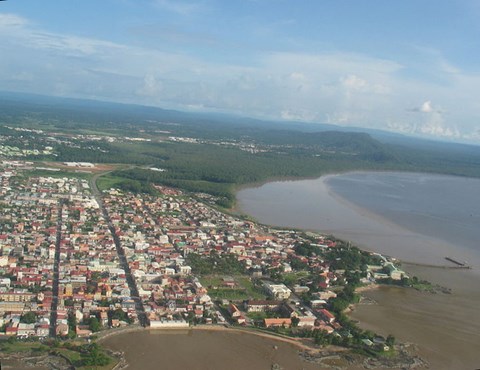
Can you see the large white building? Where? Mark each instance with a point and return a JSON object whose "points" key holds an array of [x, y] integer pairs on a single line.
{"points": [[277, 291]]}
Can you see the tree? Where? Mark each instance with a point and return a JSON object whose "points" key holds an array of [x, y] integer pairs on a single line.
{"points": [[295, 321], [321, 338], [390, 340], [28, 318], [94, 324], [94, 356]]}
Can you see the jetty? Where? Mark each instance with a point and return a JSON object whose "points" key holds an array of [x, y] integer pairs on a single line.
{"points": [[458, 265], [457, 262]]}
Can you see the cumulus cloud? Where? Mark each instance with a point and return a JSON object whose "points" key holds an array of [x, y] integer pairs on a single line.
{"points": [[426, 107], [335, 87], [151, 87], [435, 126]]}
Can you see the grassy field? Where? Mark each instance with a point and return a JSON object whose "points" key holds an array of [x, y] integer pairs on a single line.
{"points": [[244, 288], [108, 181], [16, 346]]}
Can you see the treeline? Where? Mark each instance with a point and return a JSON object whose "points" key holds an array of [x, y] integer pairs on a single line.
{"points": [[99, 153], [135, 186], [216, 170]]}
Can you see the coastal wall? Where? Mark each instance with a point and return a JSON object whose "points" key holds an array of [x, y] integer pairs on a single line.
{"points": [[156, 324]]}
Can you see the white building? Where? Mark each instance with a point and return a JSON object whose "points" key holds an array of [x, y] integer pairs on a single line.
{"points": [[277, 291]]}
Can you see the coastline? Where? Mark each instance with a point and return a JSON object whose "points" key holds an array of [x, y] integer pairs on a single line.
{"points": [[214, 328], [381, 220], [370, 231], [274, 351], [445, 340]]}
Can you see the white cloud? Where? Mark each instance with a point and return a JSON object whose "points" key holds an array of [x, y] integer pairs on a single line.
{"points": [[8, 20], [151, 87], [336, 87], [353, 82], [297, 115], [435, 126], [401, 127], [426, 107]]}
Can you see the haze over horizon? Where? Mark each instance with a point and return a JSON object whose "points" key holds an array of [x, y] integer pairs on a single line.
{"points": [[410, 67]]}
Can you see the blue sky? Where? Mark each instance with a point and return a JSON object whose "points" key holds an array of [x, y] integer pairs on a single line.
{"points": [[405, 66]]}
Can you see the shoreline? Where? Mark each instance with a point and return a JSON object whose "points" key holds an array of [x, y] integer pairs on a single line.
{"points": [[298, 350], [446, 340], [431, 254], [215, 328]]}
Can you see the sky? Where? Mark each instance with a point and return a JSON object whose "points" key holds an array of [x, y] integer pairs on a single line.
{"points": [[409, 66]]}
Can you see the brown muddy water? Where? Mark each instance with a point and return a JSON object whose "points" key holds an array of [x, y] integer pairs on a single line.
{"points": [[446, 327], [386, 219], [205, 350]]}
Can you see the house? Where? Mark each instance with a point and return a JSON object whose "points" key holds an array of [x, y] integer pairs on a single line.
{"points": [[287, 322], [42, 330], [394, 272], [261, 305], [61, 330], [234, 311], [327, 294], [318, 303], [304, 321], [82, 331], [327, 315], [299, 289], [367, 342], [324, 327], [26, 330]]}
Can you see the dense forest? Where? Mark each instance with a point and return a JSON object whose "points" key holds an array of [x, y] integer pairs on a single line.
{"points": [[216, 152]]}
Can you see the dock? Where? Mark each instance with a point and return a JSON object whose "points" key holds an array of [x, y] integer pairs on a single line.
{"points": [[458, 263]]}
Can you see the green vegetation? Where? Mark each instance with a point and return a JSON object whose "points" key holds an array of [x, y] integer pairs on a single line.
{"points": [[12, 345], [214, 153], [215, 264], [415, 283], [84, 356], [243, 289], [108, 181], [28, 318], [347, 257], [135, 186], [94, 324]]}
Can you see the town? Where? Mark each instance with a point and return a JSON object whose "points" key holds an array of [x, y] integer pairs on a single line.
{"points": [[76, 261]]}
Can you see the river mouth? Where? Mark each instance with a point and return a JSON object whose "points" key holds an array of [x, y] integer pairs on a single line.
{"points": [[446, 327], [376, 214]]}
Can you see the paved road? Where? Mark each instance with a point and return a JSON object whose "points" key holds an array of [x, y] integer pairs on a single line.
{"points": [[142, 317], [56, 263]]}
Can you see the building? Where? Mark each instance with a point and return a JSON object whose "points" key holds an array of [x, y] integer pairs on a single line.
{"points": [[277, 291], [269, 323], [261, 306]]}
